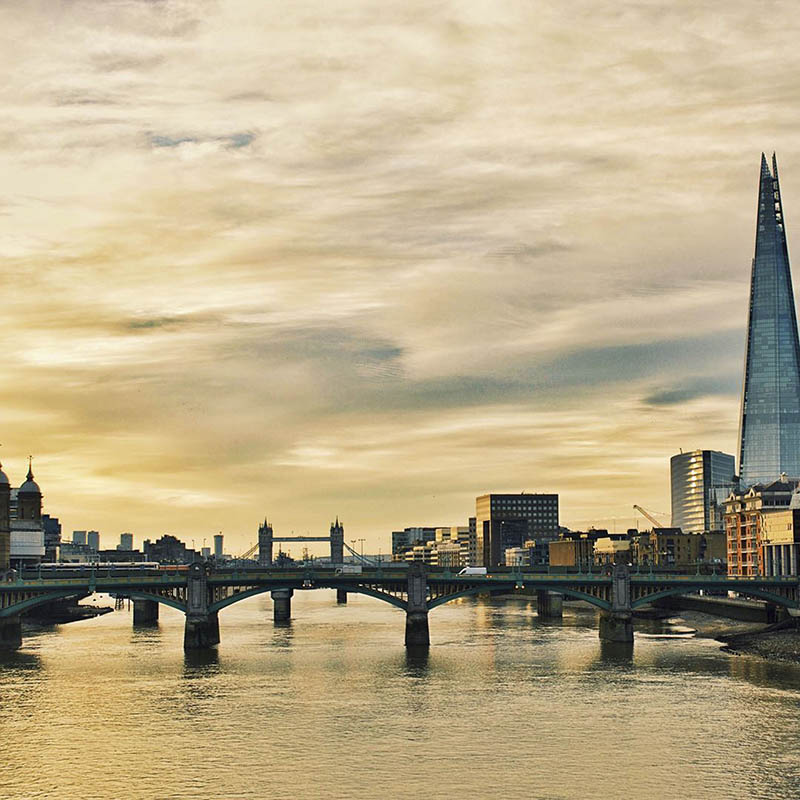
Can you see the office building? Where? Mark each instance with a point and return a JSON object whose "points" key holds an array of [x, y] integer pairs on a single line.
{"points": [[700, 482], [510, 520], [93, 540], [403, 542], [769, 427], [125, 541], [79, 537], [218, 552]]}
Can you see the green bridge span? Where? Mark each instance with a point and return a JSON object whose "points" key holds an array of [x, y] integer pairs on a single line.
{"points": [[201, 592]]}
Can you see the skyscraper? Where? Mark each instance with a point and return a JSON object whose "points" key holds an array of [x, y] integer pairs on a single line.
{"points": [[769, 428], [700, 482]]}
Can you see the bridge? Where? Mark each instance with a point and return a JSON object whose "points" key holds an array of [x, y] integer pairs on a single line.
{"points": [[201, 592]]}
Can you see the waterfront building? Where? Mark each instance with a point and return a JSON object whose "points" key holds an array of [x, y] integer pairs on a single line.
{"points": [[769, 427], [218, 547], [125, 541], [615, 548], [404, 541], [781, 540], [509, 520], [532, 554], [749, 527], [574, 548], [673, 548], [700, 482]]}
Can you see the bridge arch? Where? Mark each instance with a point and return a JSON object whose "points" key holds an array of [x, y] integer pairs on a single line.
{"points": [[757, 594], [349, 587], [37, 600], [576, 594], [158, 598]]}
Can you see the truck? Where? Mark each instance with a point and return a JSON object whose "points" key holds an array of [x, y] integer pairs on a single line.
{"points": [[349, 569], [473, 571]]}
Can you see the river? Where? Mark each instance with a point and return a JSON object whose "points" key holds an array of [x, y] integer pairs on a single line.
{"points": [[332, 706]]}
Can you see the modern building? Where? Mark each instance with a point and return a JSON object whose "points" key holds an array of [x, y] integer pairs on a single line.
{"points": [[218, 549], [404, 541], [78, 537], [125, 541], [52, 537], [700, 482], [93, 540], [672, 548], [510, 520], [769, 428], [750, 526]]}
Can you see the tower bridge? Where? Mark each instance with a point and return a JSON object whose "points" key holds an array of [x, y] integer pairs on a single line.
{"points": [[202, 592]]}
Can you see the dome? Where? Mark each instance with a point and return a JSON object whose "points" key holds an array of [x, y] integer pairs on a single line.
{"points": [[30, 486]]}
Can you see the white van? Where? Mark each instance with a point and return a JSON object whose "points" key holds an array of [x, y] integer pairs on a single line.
{"points": [[473, 571]]}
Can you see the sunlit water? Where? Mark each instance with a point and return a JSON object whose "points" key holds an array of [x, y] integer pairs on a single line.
{"points": [[331, 706]]}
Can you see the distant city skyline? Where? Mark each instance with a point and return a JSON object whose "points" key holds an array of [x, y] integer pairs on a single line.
{"points": [[435, 253]]}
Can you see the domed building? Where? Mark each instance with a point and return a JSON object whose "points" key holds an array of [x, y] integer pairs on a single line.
{"points": [[21, 524]]}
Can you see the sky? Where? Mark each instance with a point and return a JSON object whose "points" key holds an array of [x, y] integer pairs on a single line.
{"points": [[299, 259]]}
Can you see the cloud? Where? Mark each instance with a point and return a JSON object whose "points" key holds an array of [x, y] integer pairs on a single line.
{"points": [[303, 260]]}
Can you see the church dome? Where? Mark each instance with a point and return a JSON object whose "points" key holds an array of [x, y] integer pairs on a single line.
{"points": [[30, 486]]}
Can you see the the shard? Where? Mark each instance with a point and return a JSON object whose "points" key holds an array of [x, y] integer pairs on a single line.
{"points": [[769, 429]]}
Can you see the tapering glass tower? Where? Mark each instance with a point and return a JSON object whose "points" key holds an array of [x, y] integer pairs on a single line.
{"points": [[769, 430]]}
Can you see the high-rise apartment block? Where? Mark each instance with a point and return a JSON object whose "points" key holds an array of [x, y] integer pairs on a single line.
{"points": [[511, 520], [700, 482], [125, 541], [93, 540], [769, 429], [218, 553]]}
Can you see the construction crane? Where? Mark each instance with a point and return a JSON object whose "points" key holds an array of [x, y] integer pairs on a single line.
{"points": [[648, 516]]}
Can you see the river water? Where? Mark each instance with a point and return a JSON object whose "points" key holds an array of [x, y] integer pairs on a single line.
{"points": [[332, 706]]}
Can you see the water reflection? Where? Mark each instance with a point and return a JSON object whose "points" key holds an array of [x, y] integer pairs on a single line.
{"points": [[616, 654], [200, 663], [417, 660], [282, 634]]}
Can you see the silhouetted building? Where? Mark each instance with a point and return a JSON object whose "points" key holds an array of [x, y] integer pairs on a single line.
{"points": [[265, 544], [169, 550], [769, 431], [700, 482], [52, 537], [78, 537], [125, 541], [93, 540], [218, 548], [337, 542]]}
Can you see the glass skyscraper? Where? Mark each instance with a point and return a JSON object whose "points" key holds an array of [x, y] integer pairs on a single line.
{"points": [[769, 430], [700, 482]]}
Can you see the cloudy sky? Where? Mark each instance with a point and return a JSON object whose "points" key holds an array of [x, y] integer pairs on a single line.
{"points": [[300, 259]]}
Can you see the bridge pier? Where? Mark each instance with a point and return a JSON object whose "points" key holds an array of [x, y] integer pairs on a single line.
{"points": [[616, 625], [282, 604], [549, 605], [201, 631], [145, 612], [417, 633], [341, 596], [10, 633]]}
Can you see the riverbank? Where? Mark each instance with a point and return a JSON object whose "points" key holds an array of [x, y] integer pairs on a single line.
{"points": [[778, 642]]}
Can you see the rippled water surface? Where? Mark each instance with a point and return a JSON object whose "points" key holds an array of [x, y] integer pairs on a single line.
{"points": [[331, 706]]}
